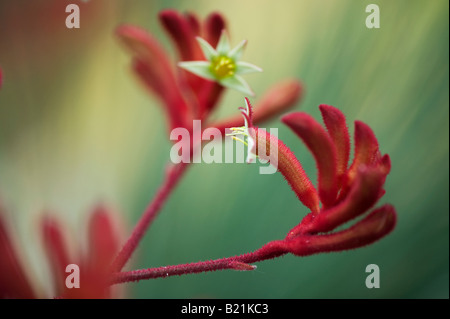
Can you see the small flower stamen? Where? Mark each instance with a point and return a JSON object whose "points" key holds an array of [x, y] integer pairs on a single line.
{"points": [[222, 67]]}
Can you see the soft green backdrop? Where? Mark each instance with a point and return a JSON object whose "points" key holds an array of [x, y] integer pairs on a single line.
{"points": [[76, 128]]}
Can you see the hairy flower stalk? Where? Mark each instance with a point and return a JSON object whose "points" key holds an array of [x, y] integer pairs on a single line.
{"points": [[240, 263], [345, 193]]}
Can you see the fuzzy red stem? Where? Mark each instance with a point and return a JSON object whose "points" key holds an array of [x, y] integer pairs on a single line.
{"points": [[268, 251], [174, 174]]}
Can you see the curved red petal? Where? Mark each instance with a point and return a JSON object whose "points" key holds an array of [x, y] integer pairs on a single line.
{"points": [[214, 24], [336, 125], [366, 149], [176, 108], [194, 22], [373, 227]]}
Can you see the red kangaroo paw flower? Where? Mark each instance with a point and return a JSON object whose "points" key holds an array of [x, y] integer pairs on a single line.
{"points": [[360, 192]]}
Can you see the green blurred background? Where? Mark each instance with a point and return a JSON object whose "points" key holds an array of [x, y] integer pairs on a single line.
{"points": [[76, 128]]}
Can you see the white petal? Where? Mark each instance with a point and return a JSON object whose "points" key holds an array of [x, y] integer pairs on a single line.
{"points": [[237, 83], [200, 68], [251, 150], [236, 53], [207, 49], [245, 67], [223, 47]]}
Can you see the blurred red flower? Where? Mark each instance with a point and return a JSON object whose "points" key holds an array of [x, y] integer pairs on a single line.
{"points": [[103, 244]]}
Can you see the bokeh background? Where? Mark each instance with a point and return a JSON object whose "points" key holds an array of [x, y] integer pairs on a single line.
{"points": [[76, 129]]}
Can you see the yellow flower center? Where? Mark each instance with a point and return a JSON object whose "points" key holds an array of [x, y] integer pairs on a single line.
{"points": [[223, 66]]}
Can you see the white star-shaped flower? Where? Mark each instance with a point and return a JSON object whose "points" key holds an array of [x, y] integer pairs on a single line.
{"points": [[223, 65]]}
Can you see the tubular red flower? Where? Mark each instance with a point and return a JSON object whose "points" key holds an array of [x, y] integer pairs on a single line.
{"points": [[153, 67], [373, 227], [289, 166], [214, 25], [323, 149], [183, 35]]}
